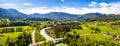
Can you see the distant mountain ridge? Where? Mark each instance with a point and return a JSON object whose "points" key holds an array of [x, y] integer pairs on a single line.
{"points": [[13, 13], [90, 15], [109, 17], [56, 16]]}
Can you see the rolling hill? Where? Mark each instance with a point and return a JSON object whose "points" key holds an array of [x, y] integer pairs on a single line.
{"points": [[13, 13]]}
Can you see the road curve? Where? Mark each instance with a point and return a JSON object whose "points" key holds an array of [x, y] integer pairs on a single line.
{"points": [[47, 37]]}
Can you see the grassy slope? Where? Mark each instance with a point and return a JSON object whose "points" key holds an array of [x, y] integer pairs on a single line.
{"points": [[14, 34], [96, 36], [11, 35]]}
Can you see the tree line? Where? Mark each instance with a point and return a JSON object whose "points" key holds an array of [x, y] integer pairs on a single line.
{"points": [[17, 29]]}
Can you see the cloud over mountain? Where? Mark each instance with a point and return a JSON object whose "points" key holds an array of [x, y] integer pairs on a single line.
{"points": [[27, 4], [102, 7]]}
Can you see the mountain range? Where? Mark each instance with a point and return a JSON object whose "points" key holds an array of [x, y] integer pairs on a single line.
{"points": [[13, 13]]}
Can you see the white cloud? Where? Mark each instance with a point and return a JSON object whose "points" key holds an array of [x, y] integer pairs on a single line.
{"points": [[105, 8], [92, 4], [58, 9], [103, 4], [62, 0], [46, 10], [27, 4], [41, 10], [7, 4], [43, 7]]}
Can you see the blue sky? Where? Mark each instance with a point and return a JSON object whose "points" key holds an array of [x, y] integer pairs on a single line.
{"points": [[68, 6]]}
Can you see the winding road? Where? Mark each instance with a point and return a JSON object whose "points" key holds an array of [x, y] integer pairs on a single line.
{"points": [[47, 37]]}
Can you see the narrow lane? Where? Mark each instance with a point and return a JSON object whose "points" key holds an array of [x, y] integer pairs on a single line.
{"points": [[33, 38]]}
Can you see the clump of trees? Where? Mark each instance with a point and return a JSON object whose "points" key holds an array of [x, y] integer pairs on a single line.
{"points": [[34, 24], [60, 30], [23, 40], [38, 36], [19, 23], [115, 23], [95, 30], [5, 22], [50, 43], [17, 29]]}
